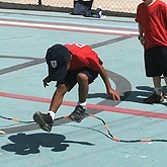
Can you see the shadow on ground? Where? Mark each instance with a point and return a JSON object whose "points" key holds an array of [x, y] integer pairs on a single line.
{"points": [[23, 144], [133, 96]]}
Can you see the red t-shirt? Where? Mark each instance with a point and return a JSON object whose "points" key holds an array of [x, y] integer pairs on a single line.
{"points": [[154, 21], [83, 56]]}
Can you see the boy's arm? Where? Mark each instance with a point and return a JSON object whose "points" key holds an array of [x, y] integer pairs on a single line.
{"points": [[141, 34], [140, 26], [110, 91]]}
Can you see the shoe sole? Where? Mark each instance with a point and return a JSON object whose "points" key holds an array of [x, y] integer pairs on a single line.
{"points": [[73, 119], [40, 121]]}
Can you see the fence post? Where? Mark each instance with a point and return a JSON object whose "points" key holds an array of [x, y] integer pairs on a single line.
{"points": [[39, 2]]}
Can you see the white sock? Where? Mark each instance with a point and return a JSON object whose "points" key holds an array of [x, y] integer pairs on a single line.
{"points": [[82, 104], [158, 91], [52, 114]]}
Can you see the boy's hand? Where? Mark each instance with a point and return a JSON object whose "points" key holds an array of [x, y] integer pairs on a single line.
{"points": [[114, 94], [110, 91], [142, 40], [46, 81]]}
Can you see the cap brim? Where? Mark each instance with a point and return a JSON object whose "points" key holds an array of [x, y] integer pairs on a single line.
{"points": [[58, 74]]}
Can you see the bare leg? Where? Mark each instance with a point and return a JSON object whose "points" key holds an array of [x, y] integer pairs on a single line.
{"points": [[45, 121], [58, 98], [79, 113], [157, 97], [82, 80], [157, 82], [165, 78]]}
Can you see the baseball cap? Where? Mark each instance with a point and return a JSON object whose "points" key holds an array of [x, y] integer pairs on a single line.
{"points": [[57, 58]]}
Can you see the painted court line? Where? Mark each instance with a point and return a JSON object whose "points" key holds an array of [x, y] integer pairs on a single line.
{"points": [[68, 27], [91, 106], [69, 22], [73, 24]]}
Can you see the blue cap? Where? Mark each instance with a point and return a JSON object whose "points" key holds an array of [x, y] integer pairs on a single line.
{"points": [[57, 58]]}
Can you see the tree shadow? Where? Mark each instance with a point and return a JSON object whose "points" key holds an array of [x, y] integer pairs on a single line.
{"points": [[23, 144]]}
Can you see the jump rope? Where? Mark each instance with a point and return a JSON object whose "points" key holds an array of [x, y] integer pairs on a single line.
{"points": [[96, 117]]}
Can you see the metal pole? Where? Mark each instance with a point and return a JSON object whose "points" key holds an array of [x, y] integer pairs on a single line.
{"points": [[39, 2]]}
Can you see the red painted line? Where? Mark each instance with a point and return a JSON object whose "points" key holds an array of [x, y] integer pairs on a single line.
{"points": [[68, 24], [91, 106], [58, 29]]}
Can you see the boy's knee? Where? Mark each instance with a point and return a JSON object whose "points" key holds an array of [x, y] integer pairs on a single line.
{"points": [[82, 78], [62, 88]]}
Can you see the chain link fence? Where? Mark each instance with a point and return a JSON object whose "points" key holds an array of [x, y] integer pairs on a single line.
{"points": [[125, 6]]}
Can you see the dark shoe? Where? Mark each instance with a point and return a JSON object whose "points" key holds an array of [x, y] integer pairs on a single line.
{"points": [[78, 114], [44, 120], [154, 99]]}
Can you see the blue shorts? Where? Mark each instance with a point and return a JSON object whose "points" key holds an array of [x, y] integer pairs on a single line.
{"points": [[156, 61], [71, 78]]}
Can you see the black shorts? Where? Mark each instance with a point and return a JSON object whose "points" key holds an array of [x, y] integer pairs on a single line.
{"points": [[71, 78], [156, 61]]}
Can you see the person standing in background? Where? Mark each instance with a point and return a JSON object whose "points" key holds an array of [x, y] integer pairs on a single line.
{"points": [[152, 23]]}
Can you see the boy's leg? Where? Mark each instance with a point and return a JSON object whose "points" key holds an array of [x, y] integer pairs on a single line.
{"points": [[78, 114], [153, 66], [157, 85], [157, 96], [157, 81], [165, 78], [84, 78], [57, 98], [83, 89], [45, 121]]}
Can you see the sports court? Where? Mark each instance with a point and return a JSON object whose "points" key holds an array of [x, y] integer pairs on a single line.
{"points": [[24, 38]]}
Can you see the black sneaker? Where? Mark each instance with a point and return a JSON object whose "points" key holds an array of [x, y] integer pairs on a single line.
{"points": [[78, 114], [154, 98], [44, 120]]}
